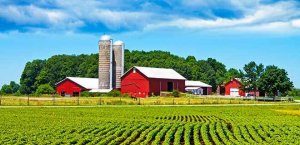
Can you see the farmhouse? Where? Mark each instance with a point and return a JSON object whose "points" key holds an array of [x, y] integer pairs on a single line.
{"points": [[198, 87], [147, 81]]}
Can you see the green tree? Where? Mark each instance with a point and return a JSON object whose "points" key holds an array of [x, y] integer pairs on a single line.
{"points": [[251, 75], [6, 89], [45, 89], [273, 80], [14, 86], [231, 74], [28, 78]]}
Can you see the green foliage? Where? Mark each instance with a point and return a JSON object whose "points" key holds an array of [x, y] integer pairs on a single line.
{"points": [[45, 89], [294, 92], [176, 93], [90, 94], [114, 93], [251, 75], [6, 89], [29, 75], [231, 74], [13, 87], [150, 125], [275, 79]]}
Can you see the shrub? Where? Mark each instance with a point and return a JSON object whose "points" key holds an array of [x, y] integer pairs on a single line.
{"points": [[45, 89], [90, 94], [114, 93], [176, 93]]}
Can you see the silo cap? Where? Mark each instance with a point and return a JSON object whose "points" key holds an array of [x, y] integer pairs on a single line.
{"points": [[105, 37], [118, 42]]}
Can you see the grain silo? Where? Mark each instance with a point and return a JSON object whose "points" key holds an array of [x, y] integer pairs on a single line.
{"points": [[118, 63], [105, 62]]}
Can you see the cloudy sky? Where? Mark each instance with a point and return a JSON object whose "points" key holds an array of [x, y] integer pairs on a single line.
{"points": [[234, 32]]}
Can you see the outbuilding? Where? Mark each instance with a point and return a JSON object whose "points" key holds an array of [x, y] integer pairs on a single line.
{"points": [[198, 88], [73, 86], [233, 88], [147, 81]]}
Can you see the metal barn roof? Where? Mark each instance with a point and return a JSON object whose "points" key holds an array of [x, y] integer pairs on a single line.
{"points": [[196, 84], [88, 83], [160, 73]]}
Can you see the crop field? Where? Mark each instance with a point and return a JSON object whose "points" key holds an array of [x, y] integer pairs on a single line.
{"points": [[137, 125]]}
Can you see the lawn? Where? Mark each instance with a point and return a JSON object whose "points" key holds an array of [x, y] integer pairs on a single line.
{"points": [[150, 125]]}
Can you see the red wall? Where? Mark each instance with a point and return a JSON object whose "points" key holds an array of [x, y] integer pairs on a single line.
{"points": [[138, 85], [69, 87], [155, 85], [135, 84], [233, 84]]}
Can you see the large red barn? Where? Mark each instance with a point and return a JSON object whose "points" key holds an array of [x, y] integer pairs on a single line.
{"points": [[146, 81]]}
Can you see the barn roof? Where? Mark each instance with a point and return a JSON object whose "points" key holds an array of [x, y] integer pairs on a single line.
{"points": [[159, 73], [88, 83], [196, 84]]}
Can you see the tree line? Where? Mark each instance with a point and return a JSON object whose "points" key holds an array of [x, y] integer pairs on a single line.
{"points": [[47, 73]]}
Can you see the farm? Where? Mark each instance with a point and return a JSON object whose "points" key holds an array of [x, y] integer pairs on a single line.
{"points": [[278, 124]]}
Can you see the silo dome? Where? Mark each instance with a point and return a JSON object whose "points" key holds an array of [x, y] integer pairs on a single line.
{"points": [[119, 42], [105, 38]]}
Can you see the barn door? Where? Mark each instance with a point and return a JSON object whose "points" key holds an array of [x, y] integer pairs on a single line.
{"points": [[170, 87]]}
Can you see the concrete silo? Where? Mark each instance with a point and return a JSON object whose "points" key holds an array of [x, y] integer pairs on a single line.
{"points": [[118, 63], [105, 62]]}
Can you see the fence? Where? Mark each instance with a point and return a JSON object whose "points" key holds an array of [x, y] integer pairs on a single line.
{"points": [[92, 101]]}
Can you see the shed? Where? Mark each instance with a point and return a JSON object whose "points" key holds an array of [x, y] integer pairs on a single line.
{"points": [[147, 81], [198, 88]]}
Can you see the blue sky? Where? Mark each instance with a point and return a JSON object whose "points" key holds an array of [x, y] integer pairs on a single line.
{"points": [[234, 32]]}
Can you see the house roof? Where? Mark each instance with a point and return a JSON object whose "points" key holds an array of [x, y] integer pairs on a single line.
{"points": [[159, 73], [88, 83], [196, 84]]}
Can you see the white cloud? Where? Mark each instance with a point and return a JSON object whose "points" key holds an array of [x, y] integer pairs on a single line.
{"points": [[264, 18], [296, 23]]}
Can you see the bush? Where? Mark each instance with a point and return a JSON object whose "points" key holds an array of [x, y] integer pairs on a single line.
{"points": [[114, 93], [45, 89], [90, 94], [176, 93]]}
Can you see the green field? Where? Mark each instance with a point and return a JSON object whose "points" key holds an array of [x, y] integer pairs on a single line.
{"points": [[151, 125]]}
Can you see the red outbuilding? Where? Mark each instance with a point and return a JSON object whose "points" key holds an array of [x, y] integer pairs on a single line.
{"points": [[73, 86], [146, 81], [233, 88]]}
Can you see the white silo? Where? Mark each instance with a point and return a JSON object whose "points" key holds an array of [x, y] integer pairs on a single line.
{"points": [[118, 63], [105, 62]]}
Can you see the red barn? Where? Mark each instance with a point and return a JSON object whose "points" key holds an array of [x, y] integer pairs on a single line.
{"points": [[146, 81], [232, 88], [73, 86]]}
